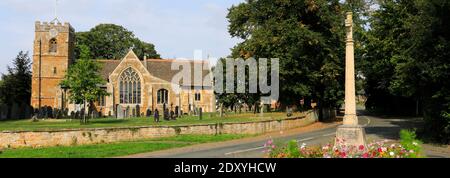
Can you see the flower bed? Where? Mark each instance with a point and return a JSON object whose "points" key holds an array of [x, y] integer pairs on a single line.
{"points": [[408, 147]]}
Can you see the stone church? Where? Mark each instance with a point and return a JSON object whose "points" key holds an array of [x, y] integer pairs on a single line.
{"points": [[135, 85]]}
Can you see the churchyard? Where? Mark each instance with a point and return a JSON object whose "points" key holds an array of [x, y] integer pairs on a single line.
{"points": [[128, 147], [207, 118]]}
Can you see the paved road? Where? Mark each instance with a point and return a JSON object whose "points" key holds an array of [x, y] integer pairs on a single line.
{"points": [[376, 128]]}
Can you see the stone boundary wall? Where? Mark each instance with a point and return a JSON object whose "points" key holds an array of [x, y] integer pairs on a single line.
{"points": [[69, 137]]}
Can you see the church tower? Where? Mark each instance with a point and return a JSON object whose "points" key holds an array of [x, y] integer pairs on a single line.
{"points": [[53, 53]]}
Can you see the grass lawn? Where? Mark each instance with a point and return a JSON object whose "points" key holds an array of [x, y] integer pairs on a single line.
{"points": [[27, 125], [115, 149]]}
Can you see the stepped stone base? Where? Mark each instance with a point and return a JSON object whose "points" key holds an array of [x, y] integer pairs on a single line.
{"points": [[351, 135]]}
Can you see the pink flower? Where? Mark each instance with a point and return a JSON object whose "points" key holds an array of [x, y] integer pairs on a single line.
{"points": [[365, 155], [361, 147], [380, 150], [343, 154]]}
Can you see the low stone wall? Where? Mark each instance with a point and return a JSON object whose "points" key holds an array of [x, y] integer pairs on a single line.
{"points": [[18, 139]]}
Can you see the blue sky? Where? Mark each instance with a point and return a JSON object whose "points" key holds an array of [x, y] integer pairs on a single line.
{"points": [[176, 27]]}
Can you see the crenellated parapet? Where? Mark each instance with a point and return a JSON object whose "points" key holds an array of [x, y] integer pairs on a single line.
{"points": [[46, 26]]}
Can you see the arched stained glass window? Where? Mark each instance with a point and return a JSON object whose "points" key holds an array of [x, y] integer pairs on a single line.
{"points": [[130, 87], [197, 96]]}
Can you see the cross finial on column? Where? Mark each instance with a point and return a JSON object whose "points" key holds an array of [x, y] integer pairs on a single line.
{"points": [[349, 19]]}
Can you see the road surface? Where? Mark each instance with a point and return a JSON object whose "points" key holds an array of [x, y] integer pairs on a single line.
{"points": [[377, 128]]}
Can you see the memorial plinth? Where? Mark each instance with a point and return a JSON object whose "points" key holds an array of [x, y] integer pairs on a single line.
{"points": [[350, 133]]}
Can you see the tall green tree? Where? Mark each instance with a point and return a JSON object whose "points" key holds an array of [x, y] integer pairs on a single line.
{"points": [[110, 41], [16, 84], [408, 60], [84, 81], [308, 38]]}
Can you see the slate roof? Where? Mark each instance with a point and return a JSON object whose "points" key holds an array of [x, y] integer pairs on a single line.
{"points": [[160, 68]]}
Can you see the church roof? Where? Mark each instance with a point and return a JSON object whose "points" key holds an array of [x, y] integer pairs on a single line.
{"points": [[160, 68]]}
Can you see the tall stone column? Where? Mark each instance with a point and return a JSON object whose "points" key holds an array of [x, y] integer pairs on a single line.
{"points": [[350, 102], [350, 133]]}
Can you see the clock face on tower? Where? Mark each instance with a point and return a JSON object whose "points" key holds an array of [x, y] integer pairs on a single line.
{"points": [[53, 33]]}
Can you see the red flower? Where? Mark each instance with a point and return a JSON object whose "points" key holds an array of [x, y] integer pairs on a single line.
{"points": [[343, 155], [380, 150], [365, 155], [361, 147]]}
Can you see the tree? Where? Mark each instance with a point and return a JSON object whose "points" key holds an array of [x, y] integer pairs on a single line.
{"points": [[408, 61], [16, 84], [109, 41], [84, 81], [308, 38]]}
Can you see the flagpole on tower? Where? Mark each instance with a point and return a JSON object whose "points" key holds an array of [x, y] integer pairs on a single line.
{"points": [[56, 7], [56, 12]]}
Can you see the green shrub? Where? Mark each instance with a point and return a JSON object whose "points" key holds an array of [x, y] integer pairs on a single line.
{"points": [[292, 149], [409, 142]]}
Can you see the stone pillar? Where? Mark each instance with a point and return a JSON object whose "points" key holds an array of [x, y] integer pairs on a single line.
{"points": [[350, 98], [350, 133]]}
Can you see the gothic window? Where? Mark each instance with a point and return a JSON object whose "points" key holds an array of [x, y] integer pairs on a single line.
{"points": [[130, 87], [163, 96], [197, 97], [53, 46], [101, 101]]}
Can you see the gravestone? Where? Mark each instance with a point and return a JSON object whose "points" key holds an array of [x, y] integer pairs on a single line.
{"points": [[82, 113], [165, 112], [49, 112], [166, 115], [120, 112], [148, 113], [289, 112], [55, 113], [44, 112], [172, 115], [66, 112], [34, 118], [95, 114], [72, 115], [195, 111], [77, 115], [138, 111], [176, 111], [100, 113], [190, 109], [112, 111], [127, 112], [200, 113], [156, 115]]}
